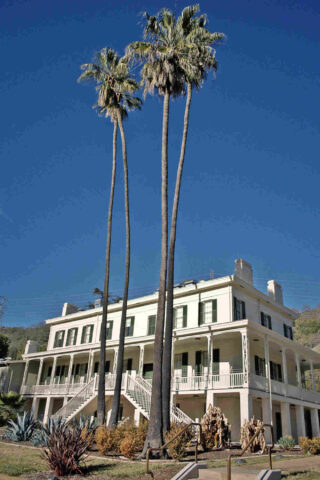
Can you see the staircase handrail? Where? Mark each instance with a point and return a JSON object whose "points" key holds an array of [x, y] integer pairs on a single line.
{"points": [[140, 383], [65, 408]]}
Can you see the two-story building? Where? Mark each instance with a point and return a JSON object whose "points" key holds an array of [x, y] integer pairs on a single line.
{"points": [[232, 347]]}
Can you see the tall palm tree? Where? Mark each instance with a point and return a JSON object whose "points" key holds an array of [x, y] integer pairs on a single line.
{"points": [[194, 47], [115, 99], [162, 72]]}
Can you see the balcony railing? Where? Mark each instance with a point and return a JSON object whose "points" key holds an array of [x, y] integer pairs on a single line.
{"points": [[202, 382]]}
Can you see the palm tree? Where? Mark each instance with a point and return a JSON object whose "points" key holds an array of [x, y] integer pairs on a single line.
{"points": [[115, 88], [161, 72], [194, 46]]}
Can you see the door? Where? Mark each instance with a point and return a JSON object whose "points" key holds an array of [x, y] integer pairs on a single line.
{"points": [[278, 426], [307, 418]]}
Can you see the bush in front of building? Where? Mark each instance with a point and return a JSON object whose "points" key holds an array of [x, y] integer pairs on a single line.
{"points": [[248, 430], [286, 443], [21, 430], [178, 448], [216, 431], [127, 440], [10, 405], [309, 445]]}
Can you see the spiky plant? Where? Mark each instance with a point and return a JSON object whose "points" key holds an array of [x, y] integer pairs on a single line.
{"points": [[22, 429]]}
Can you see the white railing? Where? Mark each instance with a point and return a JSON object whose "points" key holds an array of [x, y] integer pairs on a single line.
{"points": [[54, 388], [79, 399], [201, 382]]}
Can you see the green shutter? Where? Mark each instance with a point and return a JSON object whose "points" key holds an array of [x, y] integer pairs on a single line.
{"points": [[91, 333], [216, 361], [55, 340], [174, 318], [214, 310], [131, 326], [200, 314], [109, 329], [75, 336], [83, 334], [68, 337], [185, 316], [184, 364]]}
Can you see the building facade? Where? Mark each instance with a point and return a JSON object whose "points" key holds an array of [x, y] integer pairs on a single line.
{"points": [[232, 347]]}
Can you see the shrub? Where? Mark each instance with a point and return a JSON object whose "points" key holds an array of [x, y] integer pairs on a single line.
{"points": [[128, 446], [22, 430], [216, 430], [42, 433], [105, 439], [39, 438], [65, 450], [10, 404], [86, 427], [310, 446], [248, 430], [286, 443], [177, 449]]}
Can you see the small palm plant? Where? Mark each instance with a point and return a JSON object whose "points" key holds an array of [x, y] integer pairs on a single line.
{"points": [[10, 404]]}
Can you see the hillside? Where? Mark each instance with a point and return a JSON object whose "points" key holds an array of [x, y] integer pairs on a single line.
{"points": [[307, 328], [18, 337]]}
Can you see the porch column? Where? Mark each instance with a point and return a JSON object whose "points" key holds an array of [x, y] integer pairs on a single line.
{"points": [[115, 360], [39, 372], [285, 419], [268, 375], [245, 356], [315, 422], [136, 417], [312, 376], [70, 369], [209, 398], [92, 366], [35, 407], [266, 416], [141, 360], [65, 400], [297, 357], [89, 365], [25, 373], [284, 365], [48, 409], [301, 425], [245, 406], [53, 370]]}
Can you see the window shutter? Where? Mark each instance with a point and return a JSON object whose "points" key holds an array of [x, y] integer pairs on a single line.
{"points": [[91, 333], [129, 364], [198, 362], [243, 310], [68, 337], [257, 365], [131, 326], [96, 367], [107, 366], [55, 340], [85, 368], [83, 334], [177, 361], [200, 313], [290, 333], [185, 316], [279, 373], [75, 336], [205, 358], [235, 309], [57, 372], [215, 361], [269, 322], [109, 330], [285, 330], [214, 311], [174, 318], [262, 319], [151, 324]]}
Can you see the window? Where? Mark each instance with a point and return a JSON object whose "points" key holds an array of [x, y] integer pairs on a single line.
{"points": [[148, 371], [127, 365], [287, 330], [266, 320], [129, 326], [207, 312], [201, 362], [216, 361], [239, 309], [260, 366], [87, 333], [106, 367], [275, 371], [151, 324], [181, 363], [108, 330], [180, 317], [58, 339], [72, 336]]}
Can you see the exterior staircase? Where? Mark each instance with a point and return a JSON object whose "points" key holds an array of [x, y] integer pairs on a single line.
{"points": [[134, 388]]}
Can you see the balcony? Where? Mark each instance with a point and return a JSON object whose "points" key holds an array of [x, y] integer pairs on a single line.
{"points": [[280, 388]]}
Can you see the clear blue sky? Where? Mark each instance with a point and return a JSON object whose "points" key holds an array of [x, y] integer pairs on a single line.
{"points": [[252, 173]]}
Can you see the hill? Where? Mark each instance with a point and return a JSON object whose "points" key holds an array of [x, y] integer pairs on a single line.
{"points": [[307, 328], [18, 337]]}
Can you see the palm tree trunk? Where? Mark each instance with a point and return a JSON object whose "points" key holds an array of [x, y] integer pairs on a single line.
{"points": [[117, 390], [167, 354], [155, 429], [101, 408]]}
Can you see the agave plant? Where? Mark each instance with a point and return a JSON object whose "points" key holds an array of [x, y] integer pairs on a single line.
{"points": [[88, 423], [22, 429]]}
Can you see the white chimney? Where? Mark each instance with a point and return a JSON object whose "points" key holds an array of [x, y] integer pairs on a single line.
{"points": [[31, 347], [69, 308], [275, 291], [243, 270]]}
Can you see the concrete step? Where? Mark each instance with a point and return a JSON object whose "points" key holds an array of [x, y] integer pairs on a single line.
{"points": [[221, 474]]}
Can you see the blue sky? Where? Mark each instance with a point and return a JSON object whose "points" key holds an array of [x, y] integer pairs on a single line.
{"points": [[252, 174]]}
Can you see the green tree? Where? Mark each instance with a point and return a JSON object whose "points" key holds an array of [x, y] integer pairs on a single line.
{"points": [[307, 328], [162, 72], [10, 404], [194, 48], [4, 346], [115, 90]]}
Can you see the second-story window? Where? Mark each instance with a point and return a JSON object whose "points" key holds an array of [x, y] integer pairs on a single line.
{"points": [[129, 326], [72, 336], [275, 371], [208, 312], [260, 366], [151, 324], [266, 320], [87, 334], [58, 339], [180, 317], [108, 330], [287, 330], [239, 309]]}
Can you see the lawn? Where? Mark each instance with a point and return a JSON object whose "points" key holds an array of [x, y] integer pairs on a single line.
{"points": [[25, 463]]}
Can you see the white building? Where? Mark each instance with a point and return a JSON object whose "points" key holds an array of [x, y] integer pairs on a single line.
{"points": [[232, 348]]}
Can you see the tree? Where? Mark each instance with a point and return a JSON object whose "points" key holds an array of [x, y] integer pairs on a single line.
{"points": [[194, 48], [4, 346], [115, 98], [162, 72]]}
